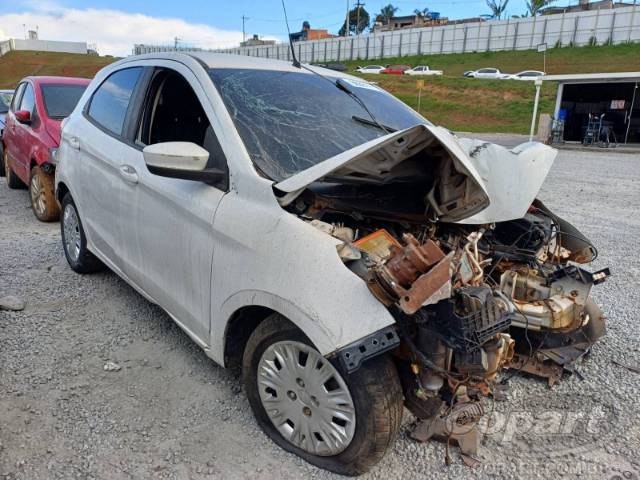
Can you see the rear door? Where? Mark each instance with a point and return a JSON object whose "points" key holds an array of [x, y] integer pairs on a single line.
{"points": [[101, 148]]}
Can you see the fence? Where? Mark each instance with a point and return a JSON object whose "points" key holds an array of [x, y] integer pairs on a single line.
{"points": [[618, 25]]}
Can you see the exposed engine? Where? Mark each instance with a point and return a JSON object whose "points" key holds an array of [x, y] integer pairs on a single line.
{"points": [[470, 298]]}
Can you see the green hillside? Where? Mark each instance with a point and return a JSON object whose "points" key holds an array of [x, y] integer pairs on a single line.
{"points": [[452, 101], [17, 65]]}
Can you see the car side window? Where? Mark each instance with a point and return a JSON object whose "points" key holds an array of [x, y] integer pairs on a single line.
{"points": [[17, 97], [173, 113], [110, 101], [28, 101]]}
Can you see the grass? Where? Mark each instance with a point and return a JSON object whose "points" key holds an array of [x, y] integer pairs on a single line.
{"points": [[14, 66], [455, 102], [500, 106], [472, 105], [606, 58]]}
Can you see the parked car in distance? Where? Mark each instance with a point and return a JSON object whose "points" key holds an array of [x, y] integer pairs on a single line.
{"points": [[491, 73], [395, 69], [422, 70], [5, 101], [371, 69], [32, 135], [525, 75]]}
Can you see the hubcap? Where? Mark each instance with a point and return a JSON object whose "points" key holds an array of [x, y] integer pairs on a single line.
{"points": [[306, 398], [71, 228], [37, 195]]}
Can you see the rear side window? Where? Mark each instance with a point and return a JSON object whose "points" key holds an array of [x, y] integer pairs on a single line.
{"points": [[60, 100], [28, 102], [110, 101]]}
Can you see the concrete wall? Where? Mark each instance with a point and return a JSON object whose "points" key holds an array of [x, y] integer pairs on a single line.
{"points": [[616, 26], [43, 46]]}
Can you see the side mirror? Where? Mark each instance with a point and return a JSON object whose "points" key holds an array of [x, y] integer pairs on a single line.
{"points": [[184, 160], [23, 116]]}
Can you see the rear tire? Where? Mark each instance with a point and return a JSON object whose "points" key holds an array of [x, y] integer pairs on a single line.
{"points": [[12, 179], [374, 390], [74, 241], [42, 194]]}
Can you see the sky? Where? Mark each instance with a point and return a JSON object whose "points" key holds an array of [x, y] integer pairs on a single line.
{"points": [[115, 26]]}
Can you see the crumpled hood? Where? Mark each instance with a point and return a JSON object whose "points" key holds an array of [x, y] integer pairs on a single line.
{"points": [[512, 178], [377, 161]]}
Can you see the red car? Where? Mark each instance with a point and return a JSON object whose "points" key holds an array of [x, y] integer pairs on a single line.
{"points": [[32, 135], [395, 69]]}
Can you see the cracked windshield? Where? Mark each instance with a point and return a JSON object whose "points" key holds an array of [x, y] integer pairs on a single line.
{"points": [[290, 121]]}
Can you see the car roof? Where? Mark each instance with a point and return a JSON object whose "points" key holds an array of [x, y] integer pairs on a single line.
{"points": [[228, 60], [47, 80]]}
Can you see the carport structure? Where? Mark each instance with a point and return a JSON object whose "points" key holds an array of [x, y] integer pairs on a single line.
{"points": [[612, 96]]}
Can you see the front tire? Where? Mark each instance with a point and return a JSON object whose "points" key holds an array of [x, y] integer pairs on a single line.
{"points": [[74, 241], [309, 406], [42, 194]]}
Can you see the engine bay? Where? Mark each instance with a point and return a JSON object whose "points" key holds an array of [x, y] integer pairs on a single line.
{"points": [[474, 303]]}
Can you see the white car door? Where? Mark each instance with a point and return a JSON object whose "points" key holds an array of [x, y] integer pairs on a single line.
{"points": [[169, 238], [100, 159]]}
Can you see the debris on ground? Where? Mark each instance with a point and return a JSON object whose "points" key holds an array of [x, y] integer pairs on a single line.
{"points": [[13, 303], [112, 367]]}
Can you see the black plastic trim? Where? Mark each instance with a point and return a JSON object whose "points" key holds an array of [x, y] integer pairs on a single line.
{"points": [[352, 356]]}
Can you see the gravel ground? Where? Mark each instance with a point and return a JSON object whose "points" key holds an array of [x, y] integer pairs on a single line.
{"points": [[172, 413]]}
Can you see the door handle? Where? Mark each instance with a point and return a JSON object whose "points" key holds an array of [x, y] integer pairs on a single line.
{"points": [[129, 173], [74, 142]]}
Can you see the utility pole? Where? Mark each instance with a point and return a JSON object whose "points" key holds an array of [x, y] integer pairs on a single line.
{"points": [[358, 7], [243, 20], [346, 25], [176, 40]]}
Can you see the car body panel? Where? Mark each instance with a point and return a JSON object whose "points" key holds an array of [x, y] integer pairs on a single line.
{"points": [[241, 275]]}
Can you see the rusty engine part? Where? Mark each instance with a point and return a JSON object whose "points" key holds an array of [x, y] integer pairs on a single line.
{"points": [[413, 275]]}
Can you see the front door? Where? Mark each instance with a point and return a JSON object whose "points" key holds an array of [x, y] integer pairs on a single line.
{"points": [[23, 136], [169, 231]]}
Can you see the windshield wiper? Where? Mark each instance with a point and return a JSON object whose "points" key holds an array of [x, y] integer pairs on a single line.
{"points": [[371, 123]]}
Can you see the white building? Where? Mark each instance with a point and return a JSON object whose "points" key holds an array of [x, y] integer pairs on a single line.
{"points": [[33, 43]]}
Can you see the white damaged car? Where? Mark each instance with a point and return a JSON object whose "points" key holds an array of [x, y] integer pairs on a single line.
{"points": [[352, 257]]}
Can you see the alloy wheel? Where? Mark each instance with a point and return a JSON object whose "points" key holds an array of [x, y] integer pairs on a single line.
{"points": [[38, 200]]}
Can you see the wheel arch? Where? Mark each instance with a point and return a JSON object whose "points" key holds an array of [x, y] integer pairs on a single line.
{"points": [[61, 191], [245, 310]]}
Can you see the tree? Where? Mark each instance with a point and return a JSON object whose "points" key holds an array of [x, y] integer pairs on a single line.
{"points": [[535, 6], [497, 8], [387, 13], [356, 16], [421, 13]]}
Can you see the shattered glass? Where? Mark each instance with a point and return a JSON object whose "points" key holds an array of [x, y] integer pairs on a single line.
{"points": [[290, 121]]}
